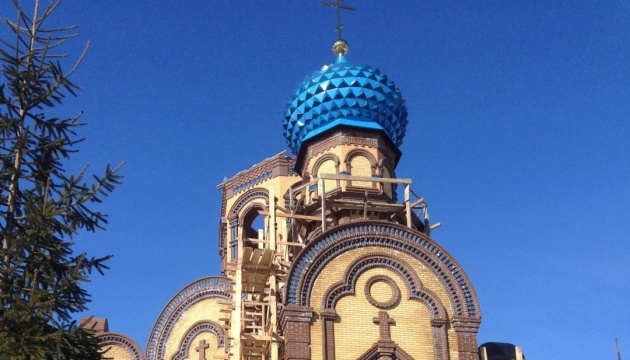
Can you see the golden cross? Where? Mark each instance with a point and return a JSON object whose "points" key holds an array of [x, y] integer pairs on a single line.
{"points": [[338, 7]]}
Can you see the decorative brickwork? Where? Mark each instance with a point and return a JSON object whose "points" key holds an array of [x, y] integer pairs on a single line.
{"points": [[466, 329], [325, 247], [271, 167], [294, 324], [246, 198], [327, 164], [328, 335], [209, 287], [347, 136], [359, 152], [375, 260], [118, 340], [415, 291], [392, 285], [362, 234], [385, 350], [318, 163], [440, 338], [278, 165], [206, 326]]}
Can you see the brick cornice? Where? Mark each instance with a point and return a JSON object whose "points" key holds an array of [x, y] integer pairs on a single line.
{"points": [[289, 313], [328, 314], [346, 136], [463, 324]]}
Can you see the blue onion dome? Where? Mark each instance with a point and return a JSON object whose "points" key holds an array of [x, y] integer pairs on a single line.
{"points": [[344, 94]]}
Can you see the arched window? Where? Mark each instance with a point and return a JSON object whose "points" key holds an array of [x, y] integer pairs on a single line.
{"points": [[361, 166], [328, 167]]}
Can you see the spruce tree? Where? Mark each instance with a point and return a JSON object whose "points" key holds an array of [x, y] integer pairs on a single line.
{"points": [[42, 207]]}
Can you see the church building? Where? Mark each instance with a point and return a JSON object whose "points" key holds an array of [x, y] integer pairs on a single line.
{"points": [[325, 253]]}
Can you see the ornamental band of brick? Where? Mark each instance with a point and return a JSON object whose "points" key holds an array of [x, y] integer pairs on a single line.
{"points": [[203, 326], [358, 234], [114, 339], [205, 288]]}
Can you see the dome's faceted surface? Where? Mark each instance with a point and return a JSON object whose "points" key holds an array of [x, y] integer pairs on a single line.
{"points": [[344, 94]]}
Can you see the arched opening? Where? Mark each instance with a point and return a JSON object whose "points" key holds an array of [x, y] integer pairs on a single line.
{"points": [[253, 226], [328, 167], [361, 166]]}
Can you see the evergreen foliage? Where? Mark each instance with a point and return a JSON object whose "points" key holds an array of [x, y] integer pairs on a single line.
{"points": [[42, 208]]}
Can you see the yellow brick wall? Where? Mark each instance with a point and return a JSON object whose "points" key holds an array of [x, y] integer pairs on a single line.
{"points": [[337, 150], [331, 274], [212, 350], [360, 166], [207, 309], [117, 352], [328, 167], [432, 283], [381, 292], [355, 331]]}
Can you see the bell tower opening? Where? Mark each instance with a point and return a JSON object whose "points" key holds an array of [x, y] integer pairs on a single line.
{"points": [[253, 226]]}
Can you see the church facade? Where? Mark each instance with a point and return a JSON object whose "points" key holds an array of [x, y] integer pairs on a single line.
{"points": [[327, 253]]}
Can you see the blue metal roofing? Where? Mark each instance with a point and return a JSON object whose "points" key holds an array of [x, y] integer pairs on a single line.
{"points": [[344, 94]]}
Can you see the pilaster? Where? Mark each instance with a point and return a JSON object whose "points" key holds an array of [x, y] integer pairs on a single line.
{"points": [[295, 324]]}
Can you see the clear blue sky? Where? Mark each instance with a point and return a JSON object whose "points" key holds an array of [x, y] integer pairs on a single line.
{"points": [[518, 138]]}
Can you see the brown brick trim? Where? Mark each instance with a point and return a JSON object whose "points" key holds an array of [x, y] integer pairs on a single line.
{"points": [[246, 198], [466, 329], [278, 165], [385, 350], [346, 136], [326, 157], [359, 152], [256, 193], [372, 233], [295, 324], [196, 329], [440, 339], [111, 338], [208, 287], [415, 291], [222, 230], [395, 298], [248, 208], [328, 317]]}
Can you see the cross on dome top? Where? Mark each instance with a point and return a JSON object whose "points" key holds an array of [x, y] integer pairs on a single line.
{"points": [[340, 47]]}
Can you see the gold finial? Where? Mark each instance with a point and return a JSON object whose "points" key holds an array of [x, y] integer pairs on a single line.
{"points": [[340, 47]]}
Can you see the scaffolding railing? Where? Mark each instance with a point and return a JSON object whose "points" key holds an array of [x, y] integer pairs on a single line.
{"points": [[315, 192]]}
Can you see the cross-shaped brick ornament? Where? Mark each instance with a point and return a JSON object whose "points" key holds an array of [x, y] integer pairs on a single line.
{"points": [[201, 349], [383, 320]]}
